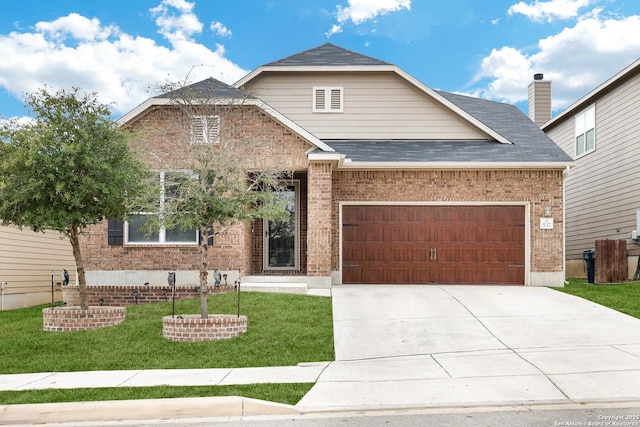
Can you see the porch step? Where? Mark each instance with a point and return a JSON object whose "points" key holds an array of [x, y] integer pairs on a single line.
{"points": [[281, 284]]}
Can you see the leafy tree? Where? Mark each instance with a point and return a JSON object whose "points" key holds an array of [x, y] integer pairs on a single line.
{"points": [[69, 167], [229, 181]]}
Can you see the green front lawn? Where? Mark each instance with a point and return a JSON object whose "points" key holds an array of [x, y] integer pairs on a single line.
{"points": [[623, 297], [284, 330]]}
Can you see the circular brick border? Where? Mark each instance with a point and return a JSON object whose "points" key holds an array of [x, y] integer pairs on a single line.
{"points": [[66, 319], [193, 328]]}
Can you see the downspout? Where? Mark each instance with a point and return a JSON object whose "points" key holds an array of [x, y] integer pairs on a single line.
{"points": [[3, 285], [565, 173]]}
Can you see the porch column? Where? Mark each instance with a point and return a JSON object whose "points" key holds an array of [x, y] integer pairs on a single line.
{"points": [[319, 225]]}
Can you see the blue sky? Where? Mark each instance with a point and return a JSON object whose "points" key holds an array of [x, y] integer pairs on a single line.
{"points": [[485, 48]]}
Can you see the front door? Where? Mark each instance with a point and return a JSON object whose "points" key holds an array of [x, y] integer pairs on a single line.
{"points": [[281, 238]]}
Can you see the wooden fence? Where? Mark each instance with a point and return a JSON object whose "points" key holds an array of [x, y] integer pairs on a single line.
{"points": [[611, 261]]}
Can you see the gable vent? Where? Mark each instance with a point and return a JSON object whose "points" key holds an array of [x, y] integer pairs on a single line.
{"points": [[205, 129], [327, 99]]}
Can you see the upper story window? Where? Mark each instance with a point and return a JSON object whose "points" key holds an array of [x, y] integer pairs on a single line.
{"points": [[205, 129], [586, 131], [135, 231], [327, 99]]}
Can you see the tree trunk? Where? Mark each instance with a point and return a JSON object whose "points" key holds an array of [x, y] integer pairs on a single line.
{"points": [[74, 233], [204, 289]]}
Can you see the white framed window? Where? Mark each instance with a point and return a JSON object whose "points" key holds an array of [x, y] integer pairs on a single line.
{"points": [[586, 131], [205, 129], [327, 99], [134, 228]]}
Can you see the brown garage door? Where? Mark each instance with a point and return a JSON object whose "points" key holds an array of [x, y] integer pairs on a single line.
{"points": [[433, 244]]}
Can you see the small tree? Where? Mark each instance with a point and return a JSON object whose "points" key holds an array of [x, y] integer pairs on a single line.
{"points": [[69, 167], [229, 180]]}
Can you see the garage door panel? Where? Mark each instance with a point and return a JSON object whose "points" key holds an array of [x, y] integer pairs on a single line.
{"points": [[515, 274], [419, 233], [420, 254], [374, 254], [434, 244], [514, 255], [374, 213], [353, 254], [467, 255], [373, 274], [400, 254], [421, 275], [397, 214], [396, 233], [512, 234], [399, 274], [351, 274]]}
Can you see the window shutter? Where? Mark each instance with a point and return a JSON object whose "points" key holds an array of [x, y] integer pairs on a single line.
{"points": [[115, 232], [336, 100], [197, 130], [320, 101], [212, 124]]}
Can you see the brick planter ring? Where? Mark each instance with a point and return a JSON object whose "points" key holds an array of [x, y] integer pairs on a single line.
{"points": [[66, 319], [191, 327]]}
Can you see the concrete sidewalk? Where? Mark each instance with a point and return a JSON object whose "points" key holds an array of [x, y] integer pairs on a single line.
{"points": [[408, 347], [303, 373]]}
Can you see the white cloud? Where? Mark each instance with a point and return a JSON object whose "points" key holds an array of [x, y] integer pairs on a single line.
{"points": [[335, 29], [77, 27], [220, 29], [549, 10], [176, 20], [360, 11], [77, 51], [576, 60]]}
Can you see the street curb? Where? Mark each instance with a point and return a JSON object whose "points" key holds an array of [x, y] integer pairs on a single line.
{"points": [[119, 410]]}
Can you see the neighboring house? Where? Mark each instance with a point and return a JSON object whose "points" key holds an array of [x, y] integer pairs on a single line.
{"points": [[600, 131], [27, 262], [394, 182]]}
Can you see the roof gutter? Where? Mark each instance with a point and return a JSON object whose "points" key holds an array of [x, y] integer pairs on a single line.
{"points": [[348, 164]]}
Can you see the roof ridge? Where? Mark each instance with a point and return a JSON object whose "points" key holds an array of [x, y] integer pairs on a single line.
{"points": [[327, 54], [210, 86]]}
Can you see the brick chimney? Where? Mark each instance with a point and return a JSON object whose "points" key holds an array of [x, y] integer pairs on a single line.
{"points": [[539, 100]]}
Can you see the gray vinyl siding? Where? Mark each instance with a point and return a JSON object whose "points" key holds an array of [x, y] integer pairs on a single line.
{"points": [[27, 260], [376, 106], [603, 189]]}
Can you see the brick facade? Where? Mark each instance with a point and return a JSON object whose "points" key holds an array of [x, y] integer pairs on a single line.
{"points": [[320, 212], [163, 140], [538, 188], [162, 137]]}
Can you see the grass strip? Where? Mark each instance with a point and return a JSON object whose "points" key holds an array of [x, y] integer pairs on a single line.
{"points": [[623, 297], [289, 394]]}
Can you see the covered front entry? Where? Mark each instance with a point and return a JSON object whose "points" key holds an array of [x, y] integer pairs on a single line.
{"points": [[433, 244]]}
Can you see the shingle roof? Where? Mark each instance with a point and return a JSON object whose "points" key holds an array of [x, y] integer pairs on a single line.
{"points": [[529, 143], [206, 89], [327, 54]]}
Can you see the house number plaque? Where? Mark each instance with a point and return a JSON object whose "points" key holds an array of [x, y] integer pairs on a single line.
{"points": [[546, 223]]}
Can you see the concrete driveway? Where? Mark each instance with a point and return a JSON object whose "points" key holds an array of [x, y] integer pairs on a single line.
{"points": [[426, 346]]}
